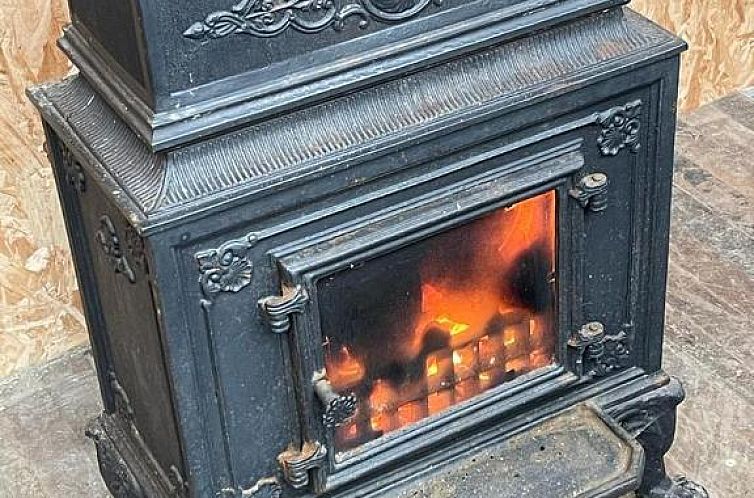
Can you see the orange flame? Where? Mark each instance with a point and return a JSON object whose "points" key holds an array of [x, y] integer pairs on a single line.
{"points": [[345, 370]]}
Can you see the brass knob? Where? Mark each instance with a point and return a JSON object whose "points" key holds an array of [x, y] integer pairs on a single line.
{"points": [[339, 409]]}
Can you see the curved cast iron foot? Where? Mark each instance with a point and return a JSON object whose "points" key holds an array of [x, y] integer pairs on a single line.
{"points": [[677, 487]]}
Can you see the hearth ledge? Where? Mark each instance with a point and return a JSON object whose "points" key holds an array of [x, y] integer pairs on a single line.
{"points": [[640, 413]]}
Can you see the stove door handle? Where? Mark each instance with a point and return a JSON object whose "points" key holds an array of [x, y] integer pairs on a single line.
{"points": [[339, 409]]}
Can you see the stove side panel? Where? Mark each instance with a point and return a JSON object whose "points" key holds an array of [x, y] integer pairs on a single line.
{"points": [[112, 263]]}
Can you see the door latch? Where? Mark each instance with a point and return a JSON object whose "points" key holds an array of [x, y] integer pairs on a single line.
{"points": [[339, 409]]}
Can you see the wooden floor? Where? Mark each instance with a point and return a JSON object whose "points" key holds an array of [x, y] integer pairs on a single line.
{"points": [[709, 340], [710, 305]]}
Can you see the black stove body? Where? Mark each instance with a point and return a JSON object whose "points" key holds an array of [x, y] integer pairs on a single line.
{"points": [[374, 247]]}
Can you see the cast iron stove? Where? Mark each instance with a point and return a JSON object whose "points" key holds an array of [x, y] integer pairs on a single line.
{"points": [[361, 248]]}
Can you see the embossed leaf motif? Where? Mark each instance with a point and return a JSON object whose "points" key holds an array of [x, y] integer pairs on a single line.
{"points": [[110, 243], [264, 18], [197, 31]]}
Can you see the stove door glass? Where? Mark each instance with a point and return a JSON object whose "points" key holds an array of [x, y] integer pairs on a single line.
{"points": [[440, 321]]}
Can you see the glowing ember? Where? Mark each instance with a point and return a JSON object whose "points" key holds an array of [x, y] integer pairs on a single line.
{"points": [[344, 370], [432, 367], [437, 402], [452, 326], [411, 412]]}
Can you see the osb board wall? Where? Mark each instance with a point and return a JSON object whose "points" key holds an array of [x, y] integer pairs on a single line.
{"points": [[720, 34], [40, 313]]}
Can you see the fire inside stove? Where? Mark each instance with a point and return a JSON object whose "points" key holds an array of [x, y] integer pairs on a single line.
{"points": [[438, 322]]}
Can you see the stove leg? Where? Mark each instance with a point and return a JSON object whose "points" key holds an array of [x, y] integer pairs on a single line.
{"points": [[650, 417], [118, 477], [656, 440]]}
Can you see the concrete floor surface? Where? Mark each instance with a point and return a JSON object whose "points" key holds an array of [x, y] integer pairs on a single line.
{"points": [[709, 339]]}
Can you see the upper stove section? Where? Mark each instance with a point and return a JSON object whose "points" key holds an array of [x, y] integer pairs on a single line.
{"points": [[366, 132], [181, 70]]}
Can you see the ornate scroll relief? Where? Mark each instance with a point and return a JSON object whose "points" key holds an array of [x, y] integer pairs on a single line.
{"points": [[620, 129], [264, 488], [225, 269], [267, 18]]}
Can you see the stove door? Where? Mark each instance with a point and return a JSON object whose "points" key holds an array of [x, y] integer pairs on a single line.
{"points": [[417, 324]]}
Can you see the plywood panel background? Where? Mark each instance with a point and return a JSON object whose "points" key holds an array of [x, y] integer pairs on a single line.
{"points": [[40, 313], [720, 34]]}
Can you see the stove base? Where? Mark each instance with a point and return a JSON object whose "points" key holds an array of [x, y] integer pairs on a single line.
{"points": [[606, 447]]}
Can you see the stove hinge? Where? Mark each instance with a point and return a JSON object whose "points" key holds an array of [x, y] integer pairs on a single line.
{"points": [[591, 192], [598, 353], [297, 465], [277, 310]]}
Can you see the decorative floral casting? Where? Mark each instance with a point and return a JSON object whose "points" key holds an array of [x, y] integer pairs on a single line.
{"points": [[620, 129], [616, 355], [266, 18], [226, 269], [135, 247], [72, 170], [599, 354], [111, 245]]}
